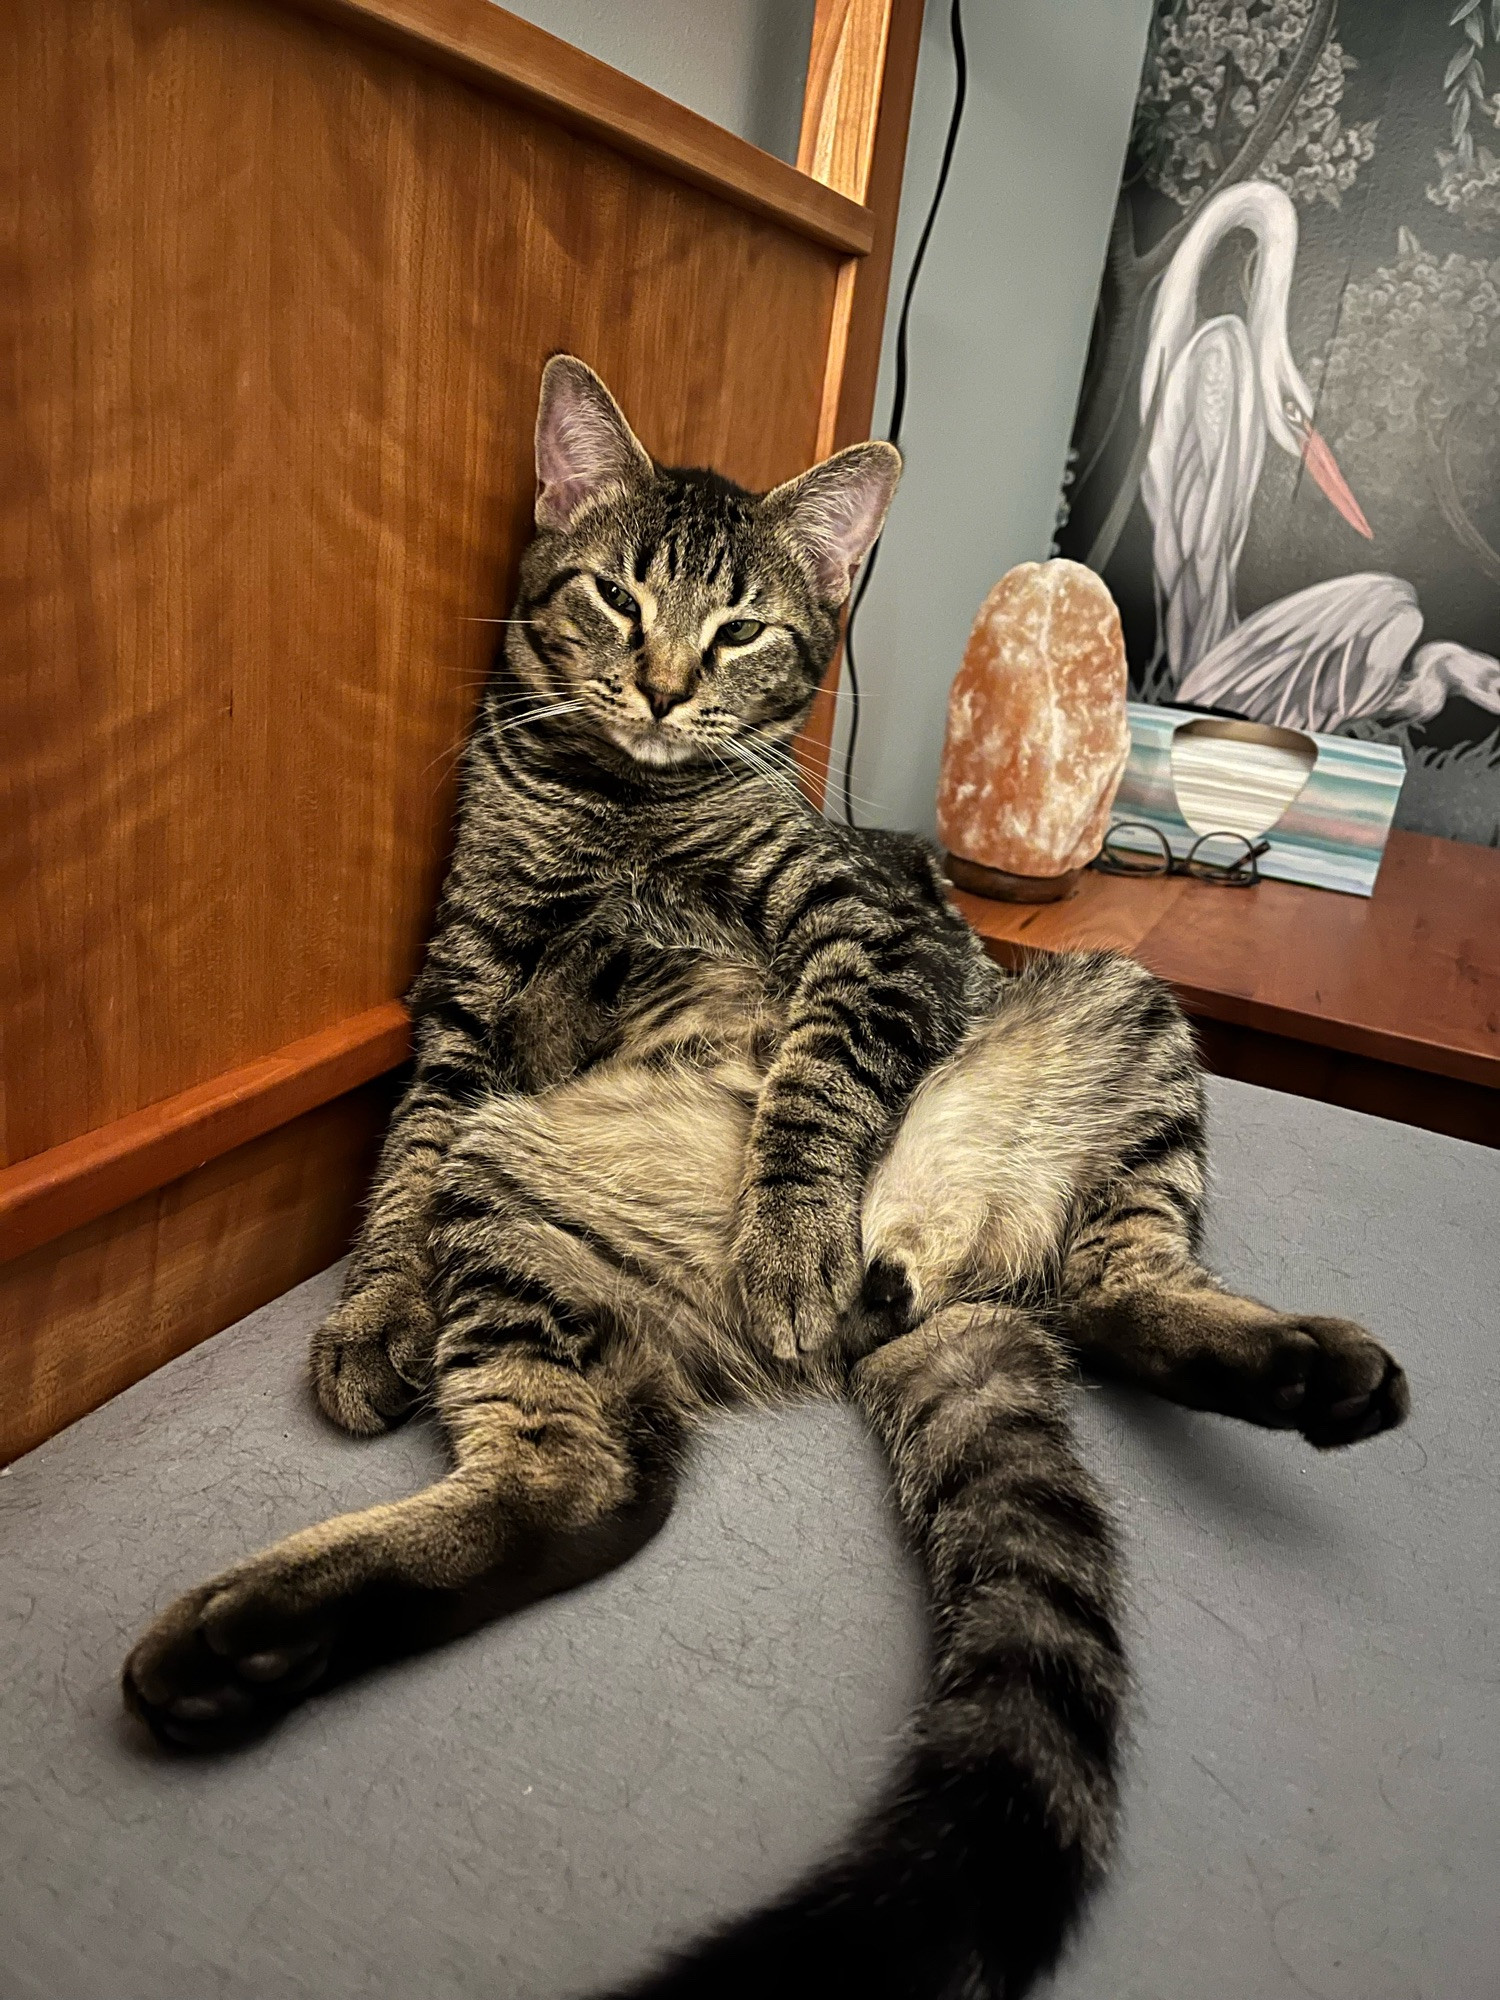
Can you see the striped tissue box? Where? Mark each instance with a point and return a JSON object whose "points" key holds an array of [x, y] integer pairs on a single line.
{"points": [[1324, 803]]}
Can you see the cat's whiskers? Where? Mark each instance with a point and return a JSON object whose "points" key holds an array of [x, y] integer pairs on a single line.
{"points": [[815, 773], [773, 777], [537, 715], [447, 758]]}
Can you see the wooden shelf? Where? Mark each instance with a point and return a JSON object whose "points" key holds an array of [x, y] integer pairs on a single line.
{"points": [[499, 52], [1391, 1003]]}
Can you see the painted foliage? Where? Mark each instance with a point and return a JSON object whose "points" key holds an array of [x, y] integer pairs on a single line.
{"points": [[1286, 460]]}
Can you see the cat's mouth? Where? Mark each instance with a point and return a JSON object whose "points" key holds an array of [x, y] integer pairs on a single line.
{"points": [[655, 743]]}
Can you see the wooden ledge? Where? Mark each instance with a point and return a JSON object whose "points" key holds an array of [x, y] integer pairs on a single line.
{"points": [[505, 55], [1408, 977], [91, 1176]]}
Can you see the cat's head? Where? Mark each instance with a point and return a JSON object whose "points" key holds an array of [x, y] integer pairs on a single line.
{"points": [[679, 612]]}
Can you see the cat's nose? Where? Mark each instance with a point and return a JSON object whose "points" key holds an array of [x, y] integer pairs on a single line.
{"points": [[663, 696]]}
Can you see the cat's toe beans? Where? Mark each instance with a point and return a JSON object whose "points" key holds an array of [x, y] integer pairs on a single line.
{"points": [[201, 1680], [1349, 1406], [268, 1666], [224, 1704]]}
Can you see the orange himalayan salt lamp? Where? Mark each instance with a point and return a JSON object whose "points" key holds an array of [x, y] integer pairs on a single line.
{"points": [[1037, 735]]}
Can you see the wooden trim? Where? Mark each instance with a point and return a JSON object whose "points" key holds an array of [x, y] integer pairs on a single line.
{"points": [[76, 1183], [876, 168], [1405, 977], [830, 20], [1359, 1083], [841, 101], [502, 53], [840, 112], [856, 112], [838, 355]]}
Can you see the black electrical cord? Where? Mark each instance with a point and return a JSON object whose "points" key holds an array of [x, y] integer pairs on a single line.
{"points": [[898, 399]]}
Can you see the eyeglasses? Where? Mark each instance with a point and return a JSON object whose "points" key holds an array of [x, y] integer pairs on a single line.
{"points": [[1228, 859]]}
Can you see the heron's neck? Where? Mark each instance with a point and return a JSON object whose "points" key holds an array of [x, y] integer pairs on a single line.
{"points": [[1446, 668], [1270, 218]]}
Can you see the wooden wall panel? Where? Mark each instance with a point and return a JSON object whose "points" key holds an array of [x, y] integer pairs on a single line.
{"points": [[282, 304], [856, 114], [87, 1315]]}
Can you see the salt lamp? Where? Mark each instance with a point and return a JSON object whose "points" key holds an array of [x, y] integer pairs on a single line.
{"points": [[1037, 735]]}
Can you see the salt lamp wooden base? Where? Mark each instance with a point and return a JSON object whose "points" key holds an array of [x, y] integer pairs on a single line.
{"points": [[1003, 888]]}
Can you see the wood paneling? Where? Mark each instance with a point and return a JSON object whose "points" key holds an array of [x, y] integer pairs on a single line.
{"points": [[1405, 983], [277, 313], [856, 112], [86, 1316], [855, 120]]}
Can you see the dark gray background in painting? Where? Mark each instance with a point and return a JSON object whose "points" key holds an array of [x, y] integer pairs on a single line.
{"points": [[1402, 48]]}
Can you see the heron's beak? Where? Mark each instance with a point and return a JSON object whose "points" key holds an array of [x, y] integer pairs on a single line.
{"points": [[1324, 468]]}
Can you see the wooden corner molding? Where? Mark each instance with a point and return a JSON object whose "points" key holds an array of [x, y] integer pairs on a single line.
{"points": [[502, 53], [44, 1197]]}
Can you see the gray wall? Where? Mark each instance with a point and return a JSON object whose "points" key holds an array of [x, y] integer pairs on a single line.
{"points": [[999, 333], [739, 62]]}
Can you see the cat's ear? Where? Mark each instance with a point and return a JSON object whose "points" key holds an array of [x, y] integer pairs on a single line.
{"points": [[833, 513], [584, 447]]}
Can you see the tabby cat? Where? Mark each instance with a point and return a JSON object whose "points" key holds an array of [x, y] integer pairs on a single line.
{"points": [[712, 1101]]}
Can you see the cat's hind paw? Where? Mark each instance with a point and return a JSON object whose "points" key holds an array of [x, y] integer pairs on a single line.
{"points": [[1334, 1383], [220, 1665]]}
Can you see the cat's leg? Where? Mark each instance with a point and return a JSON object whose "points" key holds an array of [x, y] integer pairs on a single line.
{"points": [[372, 1357], [1060, 1153], [1138, 1304], [556, 1475], [580, 1241]]}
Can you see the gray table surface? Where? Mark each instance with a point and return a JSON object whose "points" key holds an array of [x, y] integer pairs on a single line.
{"points": [[1313, 1804]]}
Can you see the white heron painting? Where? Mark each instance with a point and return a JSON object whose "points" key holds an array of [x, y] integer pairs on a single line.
{"points": [[1287, 456]]}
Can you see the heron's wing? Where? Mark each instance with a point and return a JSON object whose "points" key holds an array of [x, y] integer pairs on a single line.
{"points": [[1198, 483], [1317, 659]]}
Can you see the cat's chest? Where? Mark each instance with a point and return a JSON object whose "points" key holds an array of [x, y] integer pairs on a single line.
{"points": [[641, 974]]}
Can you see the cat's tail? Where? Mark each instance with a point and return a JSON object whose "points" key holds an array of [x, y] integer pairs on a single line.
{"points": [[964, 1882]]}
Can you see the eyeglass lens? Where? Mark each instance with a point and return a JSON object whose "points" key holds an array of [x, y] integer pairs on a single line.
{"points": [[1127, 857]]}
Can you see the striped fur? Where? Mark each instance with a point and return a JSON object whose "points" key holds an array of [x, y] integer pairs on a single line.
{"points": [[715, 1101]]}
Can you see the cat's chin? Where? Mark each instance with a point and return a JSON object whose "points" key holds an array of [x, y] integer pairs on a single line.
{"points": [[656, 749]]}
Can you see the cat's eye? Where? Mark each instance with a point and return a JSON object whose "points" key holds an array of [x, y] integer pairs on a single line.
{"points": [[616, 598], [740, 631]]}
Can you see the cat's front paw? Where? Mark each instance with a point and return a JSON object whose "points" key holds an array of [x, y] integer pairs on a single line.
{"points": [[796, 1271], [372, 1356]]}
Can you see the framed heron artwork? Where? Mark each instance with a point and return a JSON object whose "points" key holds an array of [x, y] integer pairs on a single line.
{"points": [[1286, 457]]}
